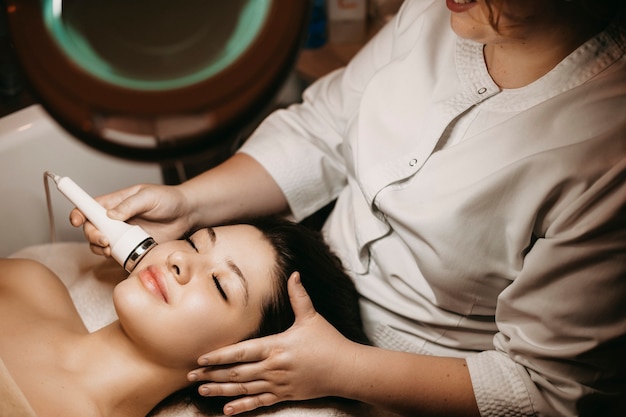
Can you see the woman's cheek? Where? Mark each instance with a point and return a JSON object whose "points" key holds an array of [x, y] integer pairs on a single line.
{"points": [[207, 324]]}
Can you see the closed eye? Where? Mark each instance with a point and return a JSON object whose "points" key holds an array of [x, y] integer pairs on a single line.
{"points": [[216, 281], [187, 238]]}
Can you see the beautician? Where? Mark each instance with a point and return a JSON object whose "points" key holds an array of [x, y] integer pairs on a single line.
{"points": [[476, 150]]}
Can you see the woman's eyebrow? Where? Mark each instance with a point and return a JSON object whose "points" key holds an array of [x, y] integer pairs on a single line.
{"points": [[233, 267], [244, 282], [211, 233]]}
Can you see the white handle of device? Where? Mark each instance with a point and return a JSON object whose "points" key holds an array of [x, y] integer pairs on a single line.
{"points": [[129, 243]]}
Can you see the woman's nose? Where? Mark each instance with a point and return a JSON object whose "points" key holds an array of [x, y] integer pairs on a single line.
{"points": [[179, 265]]}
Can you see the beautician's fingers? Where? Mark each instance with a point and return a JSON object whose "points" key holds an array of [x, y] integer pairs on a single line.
{"points": [[300, 301], [233, 389], [77, 218], [98, 242], [131, 202], [161, 210], [273, 370], [292, 365], [258, 393], [245, 404], [108, 201], [255, 350]]}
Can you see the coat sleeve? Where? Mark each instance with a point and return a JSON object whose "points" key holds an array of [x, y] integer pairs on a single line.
{"points": [[561, 346], [304, 147]]}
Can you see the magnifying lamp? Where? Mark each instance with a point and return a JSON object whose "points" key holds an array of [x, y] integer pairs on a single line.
{"points": [[156, 80]]}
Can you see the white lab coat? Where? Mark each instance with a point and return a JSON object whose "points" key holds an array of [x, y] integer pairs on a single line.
{"points": [[476, 222]]}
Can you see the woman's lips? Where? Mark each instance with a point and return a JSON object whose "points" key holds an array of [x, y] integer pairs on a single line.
{"points": [[152, 280], [459, 7]]}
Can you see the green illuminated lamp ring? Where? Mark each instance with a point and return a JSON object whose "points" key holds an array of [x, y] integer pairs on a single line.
{"points": [[77, 48]]}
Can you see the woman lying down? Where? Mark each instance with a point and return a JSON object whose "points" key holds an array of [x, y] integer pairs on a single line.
{"points": [[186, 297]]}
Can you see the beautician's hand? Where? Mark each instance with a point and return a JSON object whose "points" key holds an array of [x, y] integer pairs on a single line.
{"points": [[302, 363], [161, 210]]}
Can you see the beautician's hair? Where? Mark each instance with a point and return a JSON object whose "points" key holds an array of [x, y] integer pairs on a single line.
{"points": [[334, 296]]}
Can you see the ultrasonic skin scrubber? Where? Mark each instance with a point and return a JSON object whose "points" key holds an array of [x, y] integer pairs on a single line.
{"points": [[129, 243]]}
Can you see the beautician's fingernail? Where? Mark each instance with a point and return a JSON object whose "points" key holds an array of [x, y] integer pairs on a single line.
{"points": [[203, 361], [192, 377], [229, 410], [204, 390], [114, 214], [103, 241]]}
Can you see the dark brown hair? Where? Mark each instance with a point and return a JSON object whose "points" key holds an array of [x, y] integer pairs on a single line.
{"points": [[331, 290]]}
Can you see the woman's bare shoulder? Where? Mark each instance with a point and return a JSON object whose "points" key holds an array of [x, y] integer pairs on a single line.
{"points": [[17, 273], [30, 287]]}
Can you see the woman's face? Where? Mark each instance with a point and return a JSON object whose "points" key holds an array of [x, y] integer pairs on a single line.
{"points": [[188, 297], [518, 20]]}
